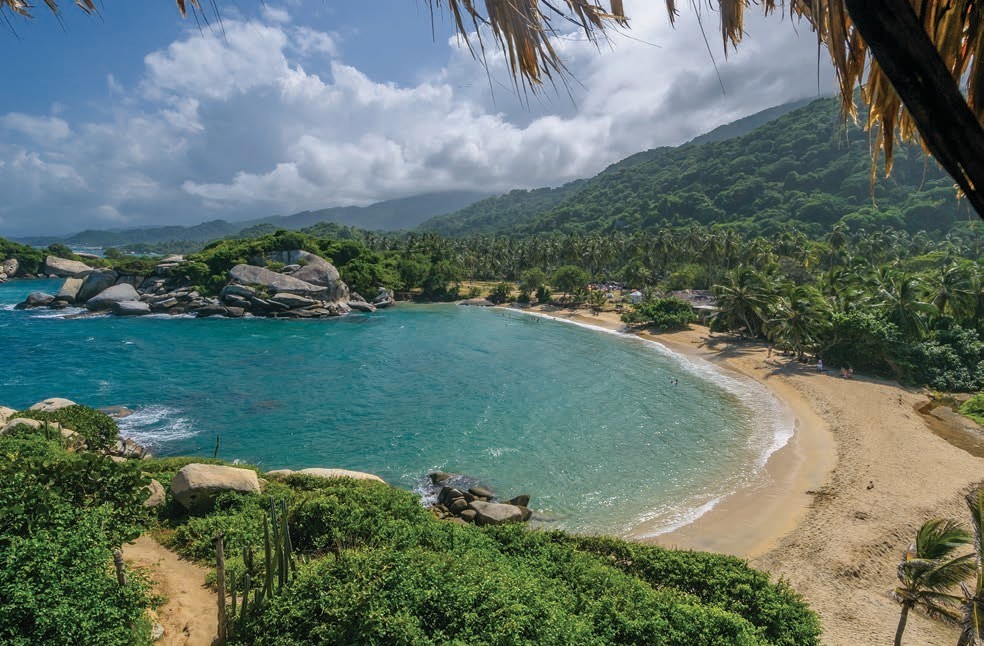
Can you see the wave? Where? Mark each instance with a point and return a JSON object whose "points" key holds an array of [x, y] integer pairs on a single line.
{"points": [[775, 420], [154, 426]]}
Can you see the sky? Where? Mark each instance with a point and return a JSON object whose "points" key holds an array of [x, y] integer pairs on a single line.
{"points": [[137, 117]]}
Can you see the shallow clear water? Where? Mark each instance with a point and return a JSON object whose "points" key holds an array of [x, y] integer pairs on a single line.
{"points": [[588, 423]]}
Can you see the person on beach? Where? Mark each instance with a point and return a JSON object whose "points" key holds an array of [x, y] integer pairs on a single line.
{"points": [[769, 355], [819, 364]]}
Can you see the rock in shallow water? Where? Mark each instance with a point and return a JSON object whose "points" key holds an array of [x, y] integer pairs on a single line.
{"points": [[131, 308], [104, 301]]}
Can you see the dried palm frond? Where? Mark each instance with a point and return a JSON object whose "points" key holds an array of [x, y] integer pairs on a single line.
{"points": [[23, 8]]}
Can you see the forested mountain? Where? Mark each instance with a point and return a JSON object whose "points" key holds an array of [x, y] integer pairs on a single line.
{"points": [[390, 215], [806, 168]]}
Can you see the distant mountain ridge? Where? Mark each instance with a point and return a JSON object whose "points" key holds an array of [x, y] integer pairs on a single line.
{"points": [[389, 215], [797, 164]]}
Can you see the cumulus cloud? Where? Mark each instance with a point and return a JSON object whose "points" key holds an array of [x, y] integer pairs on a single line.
{"points": [[235, 127]]}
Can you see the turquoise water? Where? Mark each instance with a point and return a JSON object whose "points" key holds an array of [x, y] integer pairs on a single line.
{"points": [[590, 424]]}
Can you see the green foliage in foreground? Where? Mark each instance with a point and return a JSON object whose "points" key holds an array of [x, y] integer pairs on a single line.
{"points": [[974, 408], [666, 313], [99, 429], [61, 515], [381, 569]]}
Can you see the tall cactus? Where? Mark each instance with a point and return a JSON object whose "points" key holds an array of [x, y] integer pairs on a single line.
{"points": [[280, 567]]}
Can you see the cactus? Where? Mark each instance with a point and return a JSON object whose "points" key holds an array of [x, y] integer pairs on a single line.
{"points": [[279, 562]]}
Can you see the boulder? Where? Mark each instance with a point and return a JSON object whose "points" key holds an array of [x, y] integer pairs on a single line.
{"points": [[131, 308], [210, 310], [468, 515], [5, 414], [318, 271], [340, 473], [289, 269], [521, 500], [242, 291], [480, 492], [276, 474], [69, 291], [95, 283], [52, 404], [20, 421], [495, 513], [156, 495], [477, 302], [10, 267], [447, 494], [127, 449], [362, 306], [116, 294], [384, 298], [116, 412], [235, 312], [35, 299], [62, 268], [274, 282], [195, 486], [132, 279], [437, 477], [291, 301], [457, 506]]}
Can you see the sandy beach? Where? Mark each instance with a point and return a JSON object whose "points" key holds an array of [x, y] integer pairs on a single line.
{"points": [[834, 510]]}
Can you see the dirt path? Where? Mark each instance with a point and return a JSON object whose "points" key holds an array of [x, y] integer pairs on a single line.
{"points": [[189, 612]]}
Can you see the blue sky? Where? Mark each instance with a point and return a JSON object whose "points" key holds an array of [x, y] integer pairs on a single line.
{"points": [[135, 117]]}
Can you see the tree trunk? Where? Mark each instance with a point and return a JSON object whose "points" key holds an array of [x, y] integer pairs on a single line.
{"points": [[901, 628], [910, 60]]}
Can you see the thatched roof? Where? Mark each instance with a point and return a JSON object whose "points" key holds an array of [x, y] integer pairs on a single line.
{"points": [[909, 58]]}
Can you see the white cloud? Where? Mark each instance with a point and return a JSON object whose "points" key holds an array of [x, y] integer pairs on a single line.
{"points": [[235, 127]]}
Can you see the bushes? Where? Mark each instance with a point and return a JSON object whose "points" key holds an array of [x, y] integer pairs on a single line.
{"points": [[667, 313], [61, 514], [974, 408], [384, 570], [99, 429]]}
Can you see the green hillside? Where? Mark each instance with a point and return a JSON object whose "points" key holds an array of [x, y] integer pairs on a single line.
{"points": [[805, 168], [389, 215]]}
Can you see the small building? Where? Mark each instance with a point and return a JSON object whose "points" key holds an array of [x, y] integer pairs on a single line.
{"points": [[635, 297]]}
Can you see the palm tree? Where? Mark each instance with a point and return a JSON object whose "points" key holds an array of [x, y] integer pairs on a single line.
{"points": [[928, 571], [800, 317], [746, 297], [901, 297], [972, 620]]}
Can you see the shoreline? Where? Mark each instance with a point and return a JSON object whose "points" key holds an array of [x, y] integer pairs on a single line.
{"points": [[750, 521], [833, 512]]}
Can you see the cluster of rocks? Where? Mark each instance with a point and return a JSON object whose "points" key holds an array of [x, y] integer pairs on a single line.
{"points": [[8, 269], [477, 504], [308, 286]]}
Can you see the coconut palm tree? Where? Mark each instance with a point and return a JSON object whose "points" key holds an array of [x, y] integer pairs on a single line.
{"points": [[801, 315], [901, 297], [745, 298], [972, 619], [928, 571]]}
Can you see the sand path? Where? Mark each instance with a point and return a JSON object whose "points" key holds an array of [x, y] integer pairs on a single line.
{"points": [[189, 614], [836, 509]]}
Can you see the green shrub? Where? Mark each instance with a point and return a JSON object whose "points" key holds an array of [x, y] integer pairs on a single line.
{"points": [[57, 586], [99, 429], [666, 313], [500, 293], [974, 408]]}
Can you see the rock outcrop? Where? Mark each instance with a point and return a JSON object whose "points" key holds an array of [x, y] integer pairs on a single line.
{"points": [[63, 268], [35, 299], [69, 291], [131, 308], [9, 269], [155, 496], [325, 473], [477, 504], [52, 404], [105, 300], [195, 486], [308, 288], [5, 414], [95, 283]]}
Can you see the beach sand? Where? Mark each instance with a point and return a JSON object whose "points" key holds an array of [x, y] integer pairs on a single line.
{"points": [[834, 511]]}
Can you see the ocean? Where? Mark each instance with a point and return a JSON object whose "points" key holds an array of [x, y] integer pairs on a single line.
{"points": [[605, 431]]}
